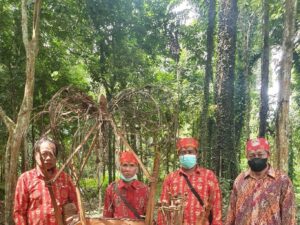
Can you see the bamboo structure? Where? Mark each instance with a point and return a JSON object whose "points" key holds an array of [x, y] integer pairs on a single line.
{"points": [[69, 105], [172, 212]]}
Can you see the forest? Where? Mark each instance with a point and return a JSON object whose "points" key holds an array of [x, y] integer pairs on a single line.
{"points": [[102, 76]]}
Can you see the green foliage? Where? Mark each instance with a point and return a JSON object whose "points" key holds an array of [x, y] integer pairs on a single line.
{"points": [[225, 186], [90, 187]]}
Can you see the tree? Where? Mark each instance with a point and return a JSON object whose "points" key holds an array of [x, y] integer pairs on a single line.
{"points": [[17, 130], [282, 117], [245, 44], [224, 152], [264, 104], [207, 80]]}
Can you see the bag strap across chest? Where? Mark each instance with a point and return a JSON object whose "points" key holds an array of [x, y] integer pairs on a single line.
{"points": [[196, 194], [128, 205]]}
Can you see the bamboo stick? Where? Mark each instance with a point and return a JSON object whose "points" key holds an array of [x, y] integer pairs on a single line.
{"points": [[80, 204], [119, 134], [153, 186]]}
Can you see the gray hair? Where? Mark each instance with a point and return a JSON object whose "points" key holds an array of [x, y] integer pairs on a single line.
{"points": [[43, 139]]}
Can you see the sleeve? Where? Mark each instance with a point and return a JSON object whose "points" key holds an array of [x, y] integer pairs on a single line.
{"points": [[108, 210], [230, 218], [164, 198], [21, 202], [216, 199], [72, 192], [287, 203]]}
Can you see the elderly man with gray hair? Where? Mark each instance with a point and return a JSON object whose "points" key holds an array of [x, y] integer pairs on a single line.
{"points": [[34, 199]]}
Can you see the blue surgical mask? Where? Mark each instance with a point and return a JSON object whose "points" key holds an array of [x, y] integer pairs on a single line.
{"points": [[125, 179], [188, 161]]}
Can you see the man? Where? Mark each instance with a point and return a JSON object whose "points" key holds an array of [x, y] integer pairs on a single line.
{"points": [[127, 197], [203, 196], [261, 195], [33, 204]]}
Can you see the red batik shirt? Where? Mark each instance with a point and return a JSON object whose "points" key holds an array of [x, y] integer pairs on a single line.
{"points": [[136, 193], [205, 183], [33, 204], [266, 201]]}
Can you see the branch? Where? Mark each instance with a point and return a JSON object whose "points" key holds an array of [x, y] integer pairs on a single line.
{"points": [[8, 121], [24, 24], [36, 24]]}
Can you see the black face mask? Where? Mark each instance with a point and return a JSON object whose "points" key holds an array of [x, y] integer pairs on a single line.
{"points": [[257, 164]]}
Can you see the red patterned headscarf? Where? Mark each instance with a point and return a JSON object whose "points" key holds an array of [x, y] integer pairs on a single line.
{"points": [[187, 142], [128, 157], [257, 143]]}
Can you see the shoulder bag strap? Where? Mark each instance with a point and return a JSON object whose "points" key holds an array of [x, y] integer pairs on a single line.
{"points": [[193, 189], [129, 206], [210, 218]]}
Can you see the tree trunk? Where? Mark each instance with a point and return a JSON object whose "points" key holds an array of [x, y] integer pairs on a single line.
{"points": [[264, 98], [18, 131], [206, 150], [225, 154], [242, 99], [282, 125]]}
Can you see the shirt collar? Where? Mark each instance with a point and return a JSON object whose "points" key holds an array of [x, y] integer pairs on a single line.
{"points": [[123, 184], [197, 171], [40, 174], [270, 172]]}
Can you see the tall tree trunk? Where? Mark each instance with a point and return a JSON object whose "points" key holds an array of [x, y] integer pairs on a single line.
{"points": [[264, 98], [18, 130], [225, 154], [242, 99], [206, 150], [24, 156], [282, 130]]}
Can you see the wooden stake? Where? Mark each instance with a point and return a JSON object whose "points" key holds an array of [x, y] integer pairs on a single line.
{"points": [[80, 204], [153, 186]]}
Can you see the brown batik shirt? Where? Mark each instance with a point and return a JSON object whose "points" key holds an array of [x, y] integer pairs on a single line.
{"points": [[266, 201]]}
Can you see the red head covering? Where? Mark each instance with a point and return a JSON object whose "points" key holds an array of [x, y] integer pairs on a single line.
{"points": [[187, 142], [257, 143], [127, 157]]}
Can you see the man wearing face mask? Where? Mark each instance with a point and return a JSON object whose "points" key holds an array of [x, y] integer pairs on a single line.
{"points": [[199, 185], [127, 197], [261, 195]]}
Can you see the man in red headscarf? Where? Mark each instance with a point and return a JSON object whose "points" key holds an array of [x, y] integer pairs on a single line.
{"points": [[198, 185], [127, 197], [261, 195]]}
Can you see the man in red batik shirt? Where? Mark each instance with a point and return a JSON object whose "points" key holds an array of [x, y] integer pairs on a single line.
{"points": [[33, 205], [127, 197], [203, 181], [261, 195]]}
